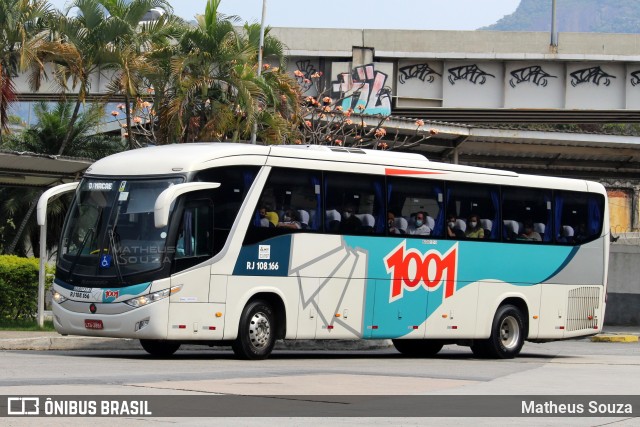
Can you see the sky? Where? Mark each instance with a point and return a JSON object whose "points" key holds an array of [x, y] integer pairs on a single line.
{"points": [[359, 14]]}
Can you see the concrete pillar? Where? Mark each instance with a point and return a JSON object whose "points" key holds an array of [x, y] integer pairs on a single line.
{"points": [[362, 56], [635, 211]]}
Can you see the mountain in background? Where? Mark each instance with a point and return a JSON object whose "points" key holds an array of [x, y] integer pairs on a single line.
{"points": [[600, 16]]}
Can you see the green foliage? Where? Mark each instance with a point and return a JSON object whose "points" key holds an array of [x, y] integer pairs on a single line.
{"points": [[54, 121], [602, 16], [19, 287]]}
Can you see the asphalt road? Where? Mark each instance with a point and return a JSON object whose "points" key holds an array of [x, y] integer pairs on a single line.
{"points": [[552, 369]]}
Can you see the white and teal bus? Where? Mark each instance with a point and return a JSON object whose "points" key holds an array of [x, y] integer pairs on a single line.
{"points": [[242, 245]]}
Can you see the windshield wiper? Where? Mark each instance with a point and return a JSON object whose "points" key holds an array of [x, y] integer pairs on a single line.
{"points": [[91, 232], [114, 251]]}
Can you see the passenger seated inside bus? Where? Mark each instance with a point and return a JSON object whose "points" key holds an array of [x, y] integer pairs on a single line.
{"points": [[391, 223], [290, 219], [419, 226], [474, 230], [268, 218], [351, 223], [566, 235], [529, 233], [455, 227]]}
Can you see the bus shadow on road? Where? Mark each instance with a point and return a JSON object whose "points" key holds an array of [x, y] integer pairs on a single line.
{"points": [[208, 354]]}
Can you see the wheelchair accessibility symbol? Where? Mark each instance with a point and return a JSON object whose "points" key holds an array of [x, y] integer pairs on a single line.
{"points": [[105, 261]]}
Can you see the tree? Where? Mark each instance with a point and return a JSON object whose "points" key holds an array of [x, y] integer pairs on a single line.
{"points": [[130, 53], [21, 32], [76, 51], [216, 92], [324, 121]]}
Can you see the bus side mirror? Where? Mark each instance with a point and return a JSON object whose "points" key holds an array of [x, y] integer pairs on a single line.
{"points": [[164, 200], [51, 193]]}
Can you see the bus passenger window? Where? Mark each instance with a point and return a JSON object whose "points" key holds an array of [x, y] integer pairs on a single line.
{"points": [[578, 216], [416, 206], [527, 215], [289, 203], [354, 204], [468, 207]]}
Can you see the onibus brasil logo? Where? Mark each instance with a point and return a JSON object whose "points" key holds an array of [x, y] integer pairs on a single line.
{"points": [[411, 269]]}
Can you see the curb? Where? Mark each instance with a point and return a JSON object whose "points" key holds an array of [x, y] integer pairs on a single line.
{"points": [[615, 338], [92, 343]]}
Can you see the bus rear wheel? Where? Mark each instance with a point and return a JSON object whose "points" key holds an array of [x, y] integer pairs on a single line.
{"points": [[507, 335], [160, 348], [256, 333], [418, 348]]}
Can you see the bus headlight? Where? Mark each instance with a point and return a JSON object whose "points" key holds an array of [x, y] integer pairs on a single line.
{"points": [[156, 296], [58, 297]]}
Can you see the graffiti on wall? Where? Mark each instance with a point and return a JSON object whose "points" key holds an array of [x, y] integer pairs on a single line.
{"points": [[635, 78], [593, 75], [307, 69], [423, 72], [363, 91], [533, 74], [471, 73]]}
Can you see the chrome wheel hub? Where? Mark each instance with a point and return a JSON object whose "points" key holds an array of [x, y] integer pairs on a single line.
{"points": [[259, 330]]}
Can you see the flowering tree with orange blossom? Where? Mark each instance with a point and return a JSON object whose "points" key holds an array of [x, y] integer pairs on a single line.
{"points": [[143, 130], [325, 122]]}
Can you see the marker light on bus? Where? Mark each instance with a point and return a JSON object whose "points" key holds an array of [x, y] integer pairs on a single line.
{"points": [[156, 296], [57, 297]]}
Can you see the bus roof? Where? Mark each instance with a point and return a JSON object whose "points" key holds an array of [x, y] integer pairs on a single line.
{"points": [[168, 159], [184, 158]]}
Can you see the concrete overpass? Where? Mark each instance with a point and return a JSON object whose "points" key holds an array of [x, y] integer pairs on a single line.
{"points": [[460, 76], [477, 76]]}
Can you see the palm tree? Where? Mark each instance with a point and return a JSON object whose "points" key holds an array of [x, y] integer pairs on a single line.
{"points": [[129, 53], [21, 32], [107, 35], [211, 83], [76, 51], [216, 91]]}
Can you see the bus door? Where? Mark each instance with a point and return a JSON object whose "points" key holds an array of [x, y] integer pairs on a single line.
{"points": [[191, 315]]}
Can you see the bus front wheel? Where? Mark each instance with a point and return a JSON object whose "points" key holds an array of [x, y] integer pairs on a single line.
{"points": [[160, 348], [256, 333], [507, 335], [418, 348]]}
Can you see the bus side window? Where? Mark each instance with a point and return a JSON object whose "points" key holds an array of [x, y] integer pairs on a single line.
{"points": [[527, 215], [356, 201], [289, 203], [467, 204], [578, 216], [418, 206]]}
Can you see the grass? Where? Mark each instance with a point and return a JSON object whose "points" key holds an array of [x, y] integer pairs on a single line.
{"points": [[25, 325]]}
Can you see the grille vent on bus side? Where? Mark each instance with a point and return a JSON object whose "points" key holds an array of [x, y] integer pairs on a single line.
{"points": [[348, 150], [583, 303]]}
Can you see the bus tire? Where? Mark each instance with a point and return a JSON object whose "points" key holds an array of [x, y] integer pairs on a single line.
{"points": [[256, 333], [507, 335], [418, 348], [160, 348]]}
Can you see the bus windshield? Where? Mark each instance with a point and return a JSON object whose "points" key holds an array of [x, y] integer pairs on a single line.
{"points": [[110, 230]]}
